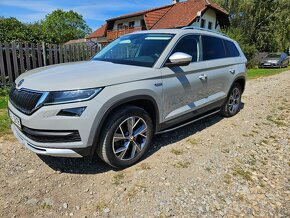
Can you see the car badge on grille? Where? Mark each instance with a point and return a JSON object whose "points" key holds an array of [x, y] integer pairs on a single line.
{"points": [[20, 83]]}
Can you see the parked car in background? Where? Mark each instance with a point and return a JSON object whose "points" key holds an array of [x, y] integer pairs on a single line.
{"points": [[140, 84], [275, 60]]}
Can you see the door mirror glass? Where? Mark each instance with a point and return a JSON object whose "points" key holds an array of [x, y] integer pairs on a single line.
{"points": [[179, 59]]}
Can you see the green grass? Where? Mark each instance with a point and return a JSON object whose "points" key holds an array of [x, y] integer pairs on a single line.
{"points": [[4, 119], [256, 73], [3, 102]]}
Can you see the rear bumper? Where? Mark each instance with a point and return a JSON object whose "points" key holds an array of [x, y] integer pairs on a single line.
{"points": [[56, 152]]}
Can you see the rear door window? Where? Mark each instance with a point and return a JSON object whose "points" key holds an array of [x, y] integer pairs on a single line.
{"points": [[232, 50], [213, 48]]}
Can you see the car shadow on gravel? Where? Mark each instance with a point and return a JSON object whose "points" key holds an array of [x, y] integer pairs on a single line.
{"points": [[76, 165], [97, 166], [165, 139]]}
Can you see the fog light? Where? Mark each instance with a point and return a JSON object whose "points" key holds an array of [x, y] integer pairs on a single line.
{"points": [[72, 112]]}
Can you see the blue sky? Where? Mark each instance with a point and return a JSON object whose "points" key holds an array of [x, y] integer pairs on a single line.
{"points": [[95, 12]]}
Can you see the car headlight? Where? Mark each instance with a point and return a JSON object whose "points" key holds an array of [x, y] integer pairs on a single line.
{"points": [[62, 97]]}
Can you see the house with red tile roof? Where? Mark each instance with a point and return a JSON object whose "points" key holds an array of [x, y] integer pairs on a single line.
{"points": [[199, 13]]}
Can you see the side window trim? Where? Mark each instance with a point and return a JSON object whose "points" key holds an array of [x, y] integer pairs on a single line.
{"points": [[173, 47], [227, 49]]}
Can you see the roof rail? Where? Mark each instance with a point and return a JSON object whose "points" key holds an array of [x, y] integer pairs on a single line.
{"points": [[204, 29]]}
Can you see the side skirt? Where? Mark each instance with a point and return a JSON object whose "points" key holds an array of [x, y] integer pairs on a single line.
{"points": [[191, 117], [189, 122]]}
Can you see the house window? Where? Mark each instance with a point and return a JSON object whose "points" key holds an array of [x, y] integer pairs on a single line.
{"points": [[209, 25], [120, 26], [202, 23], [132, 24]]}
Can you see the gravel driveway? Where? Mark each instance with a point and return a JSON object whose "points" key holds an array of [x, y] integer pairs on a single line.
{"points": [[235, 167]]}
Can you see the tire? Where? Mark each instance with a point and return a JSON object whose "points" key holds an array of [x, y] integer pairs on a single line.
{"points": [[121, 146], [233, 103]]}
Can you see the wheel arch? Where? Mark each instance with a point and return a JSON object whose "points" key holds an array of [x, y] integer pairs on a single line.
{"points": [[241, 80], [145, 102]]}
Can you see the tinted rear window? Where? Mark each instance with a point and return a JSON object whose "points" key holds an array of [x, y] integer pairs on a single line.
{"points": [[232, 50], [213, 48]]}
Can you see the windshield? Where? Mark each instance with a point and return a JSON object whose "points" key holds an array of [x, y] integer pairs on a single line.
{"points": [[137, 49], [273, 55]]}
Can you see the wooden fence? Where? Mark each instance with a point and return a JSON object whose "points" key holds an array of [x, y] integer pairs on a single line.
{"points": [[16, 58]]}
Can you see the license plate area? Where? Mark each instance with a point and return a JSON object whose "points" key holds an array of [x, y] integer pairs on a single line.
{"points": [[15, 119]]}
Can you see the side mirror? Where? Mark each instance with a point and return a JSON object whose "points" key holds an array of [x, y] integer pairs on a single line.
{"points": [[179, 59]]}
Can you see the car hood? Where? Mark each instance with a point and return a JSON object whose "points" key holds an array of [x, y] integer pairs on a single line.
{"points": [[82, 75]]}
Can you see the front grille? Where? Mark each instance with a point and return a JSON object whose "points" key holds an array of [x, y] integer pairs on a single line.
{"points": [[24, 100], [50, 136]]}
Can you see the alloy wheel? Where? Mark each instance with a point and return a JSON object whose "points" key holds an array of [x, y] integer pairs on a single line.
{"points": [[130, 138], [234, 100]]}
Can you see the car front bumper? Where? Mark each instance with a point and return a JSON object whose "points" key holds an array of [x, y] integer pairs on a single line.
{"points": [[46, 133], [30, 145], [269, 65]]}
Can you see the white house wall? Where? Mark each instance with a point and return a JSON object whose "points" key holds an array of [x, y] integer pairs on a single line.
{"points": [[208, 16], [126, 21]]}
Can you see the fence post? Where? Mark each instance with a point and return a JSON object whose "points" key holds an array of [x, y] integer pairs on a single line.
{"points": [[28, 66], [55, 54], [2, 69], [21, 58], [44, 53], [15, 62], [33, 55], [65, 53], [39, 56], [83, 53], [75, 53], [79, 51], [50, 54], [8, 62], [70, 53]]}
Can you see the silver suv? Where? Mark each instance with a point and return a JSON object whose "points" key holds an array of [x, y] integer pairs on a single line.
{"points": [[140, 84]]}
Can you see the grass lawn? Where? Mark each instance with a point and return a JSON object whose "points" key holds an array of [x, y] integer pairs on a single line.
{"points": [[5, 121], [256, 73]]}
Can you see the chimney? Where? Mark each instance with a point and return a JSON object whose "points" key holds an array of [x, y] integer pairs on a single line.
{"points": [[175, 1]]}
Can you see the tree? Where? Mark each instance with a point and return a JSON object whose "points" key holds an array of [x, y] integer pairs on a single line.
{"points": [[57, 27], [61, 26], [263, 25], [12, 30]]}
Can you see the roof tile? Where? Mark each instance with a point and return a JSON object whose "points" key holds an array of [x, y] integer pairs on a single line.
{"points": [[183, 14], [99, 32]]}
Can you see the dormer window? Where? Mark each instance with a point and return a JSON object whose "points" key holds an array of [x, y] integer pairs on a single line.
{"points": [[202, 23], [209, 25]]}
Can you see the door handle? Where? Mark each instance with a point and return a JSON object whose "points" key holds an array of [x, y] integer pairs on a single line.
{"points": [[232, 71], [203, 77]]}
